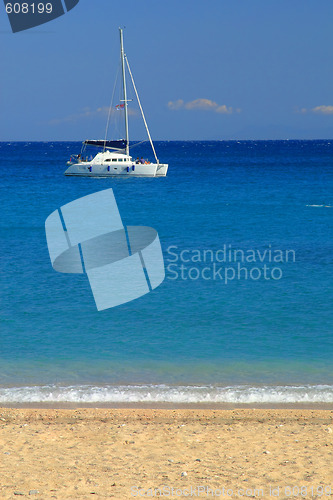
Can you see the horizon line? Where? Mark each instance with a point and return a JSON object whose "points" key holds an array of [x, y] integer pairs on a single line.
{"points": [[170, 140]]}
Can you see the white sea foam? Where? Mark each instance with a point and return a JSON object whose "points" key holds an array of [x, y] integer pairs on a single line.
{"points": [[82, 394], [325, 206]]}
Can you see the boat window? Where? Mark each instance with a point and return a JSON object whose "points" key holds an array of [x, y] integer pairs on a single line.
{"points": [[120, 159], [109, 159], [114, 159]]}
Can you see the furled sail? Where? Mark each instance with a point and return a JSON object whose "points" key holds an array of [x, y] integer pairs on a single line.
{"points": [[120, 144]]}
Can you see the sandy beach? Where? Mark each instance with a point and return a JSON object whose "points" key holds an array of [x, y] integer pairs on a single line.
{"points": [[142, 453]]}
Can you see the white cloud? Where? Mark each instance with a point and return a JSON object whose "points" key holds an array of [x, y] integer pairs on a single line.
{"points": [[319, 110], [206, 104], [89, 113], [201, 104], [224, 110], [176, 104], [324, 110], [302, 110], [84, 113]]}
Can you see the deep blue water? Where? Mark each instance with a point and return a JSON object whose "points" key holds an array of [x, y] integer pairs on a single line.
{"points": [[190, 339]]}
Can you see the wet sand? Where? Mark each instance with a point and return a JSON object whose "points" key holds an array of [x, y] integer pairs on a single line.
{"points": [[144, 453]]}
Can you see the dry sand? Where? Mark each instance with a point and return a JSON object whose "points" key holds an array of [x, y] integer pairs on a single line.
{"points": [[124, 454]]}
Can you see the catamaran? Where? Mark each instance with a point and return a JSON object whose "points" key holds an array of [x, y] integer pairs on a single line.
{"points": [[114, 158]]}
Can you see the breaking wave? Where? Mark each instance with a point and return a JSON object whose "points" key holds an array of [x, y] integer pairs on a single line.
{"points": [[240, 394]]}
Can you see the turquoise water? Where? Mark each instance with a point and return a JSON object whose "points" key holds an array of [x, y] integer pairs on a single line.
{"points": [[205, 334]]}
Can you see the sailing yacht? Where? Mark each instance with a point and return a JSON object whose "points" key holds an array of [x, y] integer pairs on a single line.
{"points": [[114, 157]]}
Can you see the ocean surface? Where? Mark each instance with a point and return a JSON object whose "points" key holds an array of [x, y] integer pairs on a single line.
{"points": [[244, 314]]}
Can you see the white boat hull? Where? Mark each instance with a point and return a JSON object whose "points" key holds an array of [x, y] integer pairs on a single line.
{"points": [[90, 169]]}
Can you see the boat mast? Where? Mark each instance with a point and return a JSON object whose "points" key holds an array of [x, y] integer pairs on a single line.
{"points": [[124, 87]]}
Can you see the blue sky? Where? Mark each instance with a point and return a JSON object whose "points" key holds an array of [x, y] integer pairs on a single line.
{"points": [[214, 69]]}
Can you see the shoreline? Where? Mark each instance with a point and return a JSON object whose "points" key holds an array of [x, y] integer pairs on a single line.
{"points": [[165, 396], [166, 406]]}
